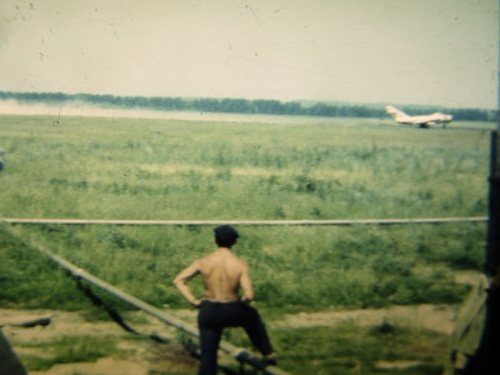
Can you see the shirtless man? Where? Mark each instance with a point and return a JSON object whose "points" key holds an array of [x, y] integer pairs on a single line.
{"points": [[223, 275]]}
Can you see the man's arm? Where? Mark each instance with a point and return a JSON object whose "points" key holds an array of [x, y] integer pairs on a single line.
{"points": [[246, 285], [181, 283]]}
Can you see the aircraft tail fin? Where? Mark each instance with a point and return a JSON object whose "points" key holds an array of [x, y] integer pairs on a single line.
{"points": [[396, 113]]}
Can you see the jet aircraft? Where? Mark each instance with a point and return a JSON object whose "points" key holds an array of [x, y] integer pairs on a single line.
{"points": [[423, 121]]}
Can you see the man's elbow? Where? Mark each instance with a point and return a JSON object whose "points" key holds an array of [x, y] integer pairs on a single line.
{"points": [[247, 298], [177, 283]]}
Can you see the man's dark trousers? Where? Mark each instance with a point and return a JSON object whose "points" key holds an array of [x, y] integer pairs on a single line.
{"points": [[214, 317]]}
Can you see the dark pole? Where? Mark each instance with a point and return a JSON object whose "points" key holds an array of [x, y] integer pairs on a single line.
{"points": [[492, 264], [486, 358], [9, 363]]}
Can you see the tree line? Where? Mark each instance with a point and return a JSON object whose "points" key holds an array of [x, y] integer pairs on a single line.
{"points": [[244, 106]]}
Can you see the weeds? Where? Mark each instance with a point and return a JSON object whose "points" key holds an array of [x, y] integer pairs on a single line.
{"points": [[69, 349], [156, 169], [342, 350]]}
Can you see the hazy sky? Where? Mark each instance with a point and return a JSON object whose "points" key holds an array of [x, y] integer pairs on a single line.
{"points": [[439, 52]]}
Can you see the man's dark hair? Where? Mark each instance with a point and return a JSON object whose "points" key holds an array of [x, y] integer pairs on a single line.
{"points": [[225, 236]]}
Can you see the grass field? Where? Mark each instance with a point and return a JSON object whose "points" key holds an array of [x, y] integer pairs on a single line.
{"points": [[106, 168]]}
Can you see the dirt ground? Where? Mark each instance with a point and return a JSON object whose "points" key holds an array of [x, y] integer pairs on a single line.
{"points": [[146, 357], [143, 356]]}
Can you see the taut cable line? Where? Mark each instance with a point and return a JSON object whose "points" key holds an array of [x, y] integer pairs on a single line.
{"points": [[41, 221]]}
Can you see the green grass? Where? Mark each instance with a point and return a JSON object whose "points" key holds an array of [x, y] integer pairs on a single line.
{"points": [[153, 169], [68, 349], [95, 168], [292, 268], [350, 348]]}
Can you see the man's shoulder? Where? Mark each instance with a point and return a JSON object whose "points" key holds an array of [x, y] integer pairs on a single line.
{"points": [[214, 256], [240, 262], [225, 256]]}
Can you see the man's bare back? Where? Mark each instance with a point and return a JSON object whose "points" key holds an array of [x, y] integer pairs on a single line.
{"points": [[223, 274]]}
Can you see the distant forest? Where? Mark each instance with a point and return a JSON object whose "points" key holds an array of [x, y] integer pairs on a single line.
{"points": [[259, 106]]}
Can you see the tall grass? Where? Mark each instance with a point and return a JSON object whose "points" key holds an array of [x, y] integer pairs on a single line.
{"points": [[352, 349], [96, 168], [299, 269], [158, 169]]}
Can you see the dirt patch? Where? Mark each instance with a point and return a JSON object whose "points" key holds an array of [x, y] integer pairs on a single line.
{"points": [[144, 356], [104, 366], [437, 318], [386, 365], [137, 355]]}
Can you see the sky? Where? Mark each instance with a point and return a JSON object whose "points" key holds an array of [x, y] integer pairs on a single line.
{"points": [[428, 52]]}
